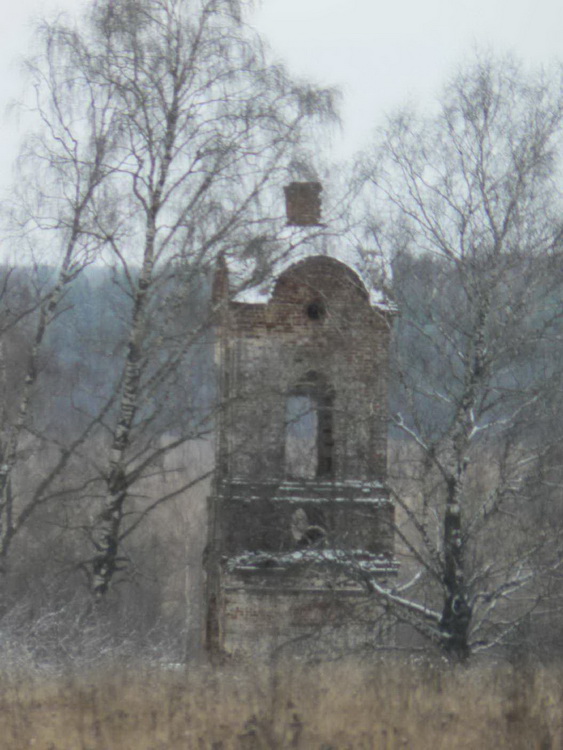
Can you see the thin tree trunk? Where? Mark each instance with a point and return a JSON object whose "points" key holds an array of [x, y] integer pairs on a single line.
{"points": [[10, 447], [106, 560], [108, 533], [457, 612]]}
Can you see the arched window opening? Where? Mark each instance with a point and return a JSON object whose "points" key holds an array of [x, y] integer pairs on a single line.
{"points": [[309, 439], [301, 437]]}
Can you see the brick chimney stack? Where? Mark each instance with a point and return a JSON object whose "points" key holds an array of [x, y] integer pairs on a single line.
{"points": [[303, 203], [220, 285]]}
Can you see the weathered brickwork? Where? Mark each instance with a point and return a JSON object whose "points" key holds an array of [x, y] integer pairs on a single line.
{"points": [[301, 513], [303, 203]]}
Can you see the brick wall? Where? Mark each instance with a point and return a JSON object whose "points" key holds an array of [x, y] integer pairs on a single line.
{"points": [[272, 347], [317, 337]]}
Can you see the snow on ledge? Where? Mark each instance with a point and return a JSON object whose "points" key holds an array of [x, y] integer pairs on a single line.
{"points": [[359, 560]]}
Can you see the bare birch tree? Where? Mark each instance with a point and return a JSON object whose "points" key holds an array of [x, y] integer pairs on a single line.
{"points": [[471, 197], [60, 191], [203, 129]]}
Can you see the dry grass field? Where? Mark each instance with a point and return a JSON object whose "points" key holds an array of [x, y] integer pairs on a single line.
{"points": [[385, 704]]}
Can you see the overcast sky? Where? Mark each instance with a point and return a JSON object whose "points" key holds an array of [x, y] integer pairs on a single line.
{"points": [[379, 53]]}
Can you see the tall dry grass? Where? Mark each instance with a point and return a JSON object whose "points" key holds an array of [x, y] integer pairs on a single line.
{"points": [[384, 704]]}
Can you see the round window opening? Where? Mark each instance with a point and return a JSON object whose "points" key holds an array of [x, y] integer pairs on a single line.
{"points": [[315, 310]]}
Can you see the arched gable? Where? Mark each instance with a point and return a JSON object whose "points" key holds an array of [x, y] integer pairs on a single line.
{"points": [[322, 276]]}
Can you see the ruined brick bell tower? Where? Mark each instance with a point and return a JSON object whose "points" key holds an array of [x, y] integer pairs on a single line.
{"points": [[300, 513]]}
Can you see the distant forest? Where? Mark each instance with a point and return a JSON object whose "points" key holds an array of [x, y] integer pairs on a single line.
{"points": [[80, 369]]}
